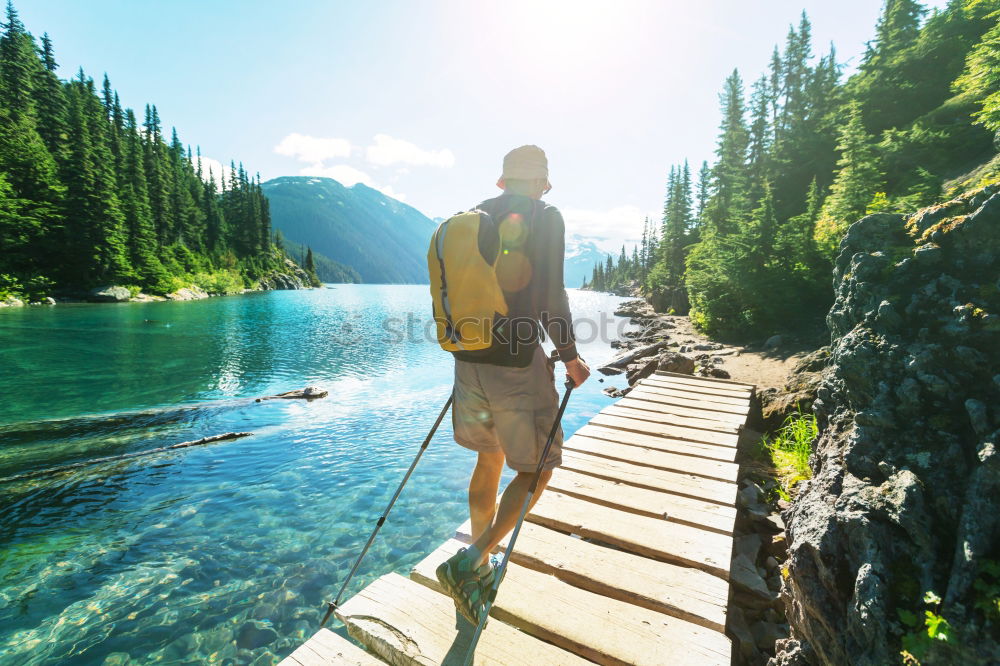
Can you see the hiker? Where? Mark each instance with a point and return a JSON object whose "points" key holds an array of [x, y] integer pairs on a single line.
{"points": [[505, 401]]}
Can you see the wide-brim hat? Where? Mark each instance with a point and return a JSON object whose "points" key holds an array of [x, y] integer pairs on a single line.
{"points": [[525, 163]]}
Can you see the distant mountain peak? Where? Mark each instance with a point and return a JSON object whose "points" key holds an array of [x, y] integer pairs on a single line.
{"points": [[382, 238]]}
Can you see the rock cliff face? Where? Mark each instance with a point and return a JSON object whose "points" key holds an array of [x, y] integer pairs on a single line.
{"points": [[292, 277], [906, 486]]}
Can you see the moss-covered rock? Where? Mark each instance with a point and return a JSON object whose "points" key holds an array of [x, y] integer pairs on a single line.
{"points": [[906, 467]]}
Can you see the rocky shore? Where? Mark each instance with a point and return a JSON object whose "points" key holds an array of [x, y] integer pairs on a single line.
{"points": [[292, 277]]}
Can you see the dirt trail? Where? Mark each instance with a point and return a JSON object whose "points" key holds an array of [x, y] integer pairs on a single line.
{"points": [[752, 364]]}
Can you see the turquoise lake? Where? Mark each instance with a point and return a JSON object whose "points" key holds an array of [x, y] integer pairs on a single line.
{"points": [[223, 553]]}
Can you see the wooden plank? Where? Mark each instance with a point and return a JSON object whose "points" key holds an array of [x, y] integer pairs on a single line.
{"points": [[408, 624], [705, 412], [683, 592], [714, 380], [632, 419], [658, 442], [685, 392], [722, 440], [669, 397], [703, 386], [700, 392], [326, 648], [651, 457], [650, 478], [700, 385], [658, 539], [668, 416], [672, 419], [645, 502], [596, 627]]}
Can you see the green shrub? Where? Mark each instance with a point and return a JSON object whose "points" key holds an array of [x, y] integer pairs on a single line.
{"points": [[10, 287], [168, 284], [220, 282]]}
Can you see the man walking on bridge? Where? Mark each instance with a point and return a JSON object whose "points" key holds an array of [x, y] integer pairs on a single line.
{"points": [[505, 400]]}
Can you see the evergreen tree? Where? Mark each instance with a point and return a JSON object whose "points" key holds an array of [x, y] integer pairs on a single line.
{"points": [[981, 79], [50, 103], [728, 203], [704, 183], [858, 179], [96, 236], [157, 177], [883, 85], [138, 213], [760, 137]]}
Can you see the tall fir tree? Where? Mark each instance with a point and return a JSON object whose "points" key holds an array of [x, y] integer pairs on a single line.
{"points": [[858, 179], [729, 203]]}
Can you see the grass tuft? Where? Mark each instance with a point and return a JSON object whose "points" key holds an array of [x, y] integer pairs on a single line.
{"points": [[788, 450]]}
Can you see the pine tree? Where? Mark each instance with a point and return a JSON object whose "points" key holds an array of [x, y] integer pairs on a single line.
{"points": [[728, 203], [760, 137], [96, 236], [19, 68], [704, 183], [142, 241], [858, 179], [51, 103], [883, 86], [981, 79], [157, 178]]}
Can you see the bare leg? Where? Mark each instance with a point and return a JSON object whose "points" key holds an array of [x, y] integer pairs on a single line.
{"points": [[509, 511], [483, 491]]}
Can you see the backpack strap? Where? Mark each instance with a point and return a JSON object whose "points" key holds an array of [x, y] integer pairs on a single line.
{"points": [[445, 303]]}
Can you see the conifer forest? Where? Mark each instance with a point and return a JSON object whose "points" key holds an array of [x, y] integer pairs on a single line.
{"points": [[92, 193], [746, 244]]}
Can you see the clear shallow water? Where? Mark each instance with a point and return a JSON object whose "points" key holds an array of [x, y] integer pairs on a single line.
{"points": [[223, 553]]}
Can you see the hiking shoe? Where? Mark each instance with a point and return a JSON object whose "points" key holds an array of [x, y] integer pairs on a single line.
{"points": [[462, 583], [487, 574]]}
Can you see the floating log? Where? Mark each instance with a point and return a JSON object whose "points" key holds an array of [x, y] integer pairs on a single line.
{"points": [[307, 393], [96, 461], [621, 362]]}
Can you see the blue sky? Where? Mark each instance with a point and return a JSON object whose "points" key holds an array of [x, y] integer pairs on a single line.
{"points": [[422, 99]]}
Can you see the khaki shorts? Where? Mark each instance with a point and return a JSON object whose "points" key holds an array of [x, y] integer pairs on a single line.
{"points": [[508, 409]]}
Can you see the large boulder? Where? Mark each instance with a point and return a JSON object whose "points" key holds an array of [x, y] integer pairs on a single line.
{"points": [[799, 391], [192, 293], [906, 471], [109, 294], [674, 362]]}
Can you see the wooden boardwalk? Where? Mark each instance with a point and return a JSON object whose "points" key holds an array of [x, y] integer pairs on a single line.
{"points": [[624, 560]]}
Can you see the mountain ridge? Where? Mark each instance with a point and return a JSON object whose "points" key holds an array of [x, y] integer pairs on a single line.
{"points": [[383, 239]]}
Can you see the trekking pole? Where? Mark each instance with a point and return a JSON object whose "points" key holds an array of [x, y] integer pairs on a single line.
{"points": [[517, 528], [331, 606]]}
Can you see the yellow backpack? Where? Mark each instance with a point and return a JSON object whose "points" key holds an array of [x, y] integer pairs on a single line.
{"points": [[467, 296]]}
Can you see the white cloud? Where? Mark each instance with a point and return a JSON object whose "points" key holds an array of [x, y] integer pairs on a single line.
{"points": [[313, 149], [342, 173], [389, 192], [609, 229], [388, 150]]}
